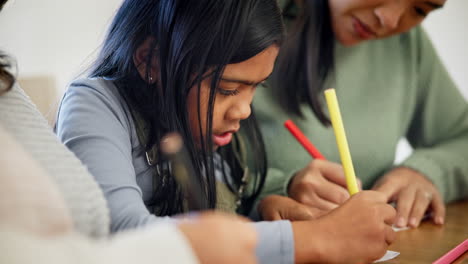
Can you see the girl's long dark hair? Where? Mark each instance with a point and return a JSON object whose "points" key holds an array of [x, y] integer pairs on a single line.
{"points": [[306, 58], [190, 39]]}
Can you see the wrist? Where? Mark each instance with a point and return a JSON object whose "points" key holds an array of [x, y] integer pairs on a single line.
{"points": [[307, 243]]}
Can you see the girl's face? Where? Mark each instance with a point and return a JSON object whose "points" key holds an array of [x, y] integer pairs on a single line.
{"points": [[354, 21], [233, 97]]}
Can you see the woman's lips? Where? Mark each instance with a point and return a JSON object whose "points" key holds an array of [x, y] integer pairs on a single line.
{"points": [[362, 30], [223, 139]]}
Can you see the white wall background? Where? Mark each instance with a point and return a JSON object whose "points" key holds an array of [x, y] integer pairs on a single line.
{"points": [[59, 37], [54, 37], [448, 29]]}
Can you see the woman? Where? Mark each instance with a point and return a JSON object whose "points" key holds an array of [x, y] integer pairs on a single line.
{"points": [[390, 83], [192, 67]]}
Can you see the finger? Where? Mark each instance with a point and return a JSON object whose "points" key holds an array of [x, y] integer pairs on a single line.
{"points": [[359, 182], [315, 201], [438, 208], [390, 235], [274, 216], [404, 204], [332, 192], [271, 215], [376, 197], [332, 171], [306, 213], [420, 205], [389, 214], [388, 189]]}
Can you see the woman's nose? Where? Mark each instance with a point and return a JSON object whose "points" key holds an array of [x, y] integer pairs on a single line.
{"points": [[390, 15]]}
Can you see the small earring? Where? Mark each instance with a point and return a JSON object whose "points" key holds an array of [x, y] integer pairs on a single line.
{"points": [[150, 79]]}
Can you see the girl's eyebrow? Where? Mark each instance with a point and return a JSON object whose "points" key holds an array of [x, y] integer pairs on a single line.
{"points": [[245, 82]]}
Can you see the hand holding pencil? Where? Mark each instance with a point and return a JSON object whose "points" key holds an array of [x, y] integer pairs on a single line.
{"points": [[367, 212], [321, 184], [301, 182]]}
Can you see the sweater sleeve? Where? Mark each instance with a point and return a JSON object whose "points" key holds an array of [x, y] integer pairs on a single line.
{"points": [[439, 128], [93, 124], [37, 206], [276, 242], [156, 244]]}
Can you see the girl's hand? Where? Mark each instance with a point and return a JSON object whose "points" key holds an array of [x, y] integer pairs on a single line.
{"points": [[221, 238], [359, 231], [414, 194], [276, 207], [321, 185]]}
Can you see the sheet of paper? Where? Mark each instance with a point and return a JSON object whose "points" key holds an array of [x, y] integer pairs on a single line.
{"points": [[388, 256], [398, 229]]}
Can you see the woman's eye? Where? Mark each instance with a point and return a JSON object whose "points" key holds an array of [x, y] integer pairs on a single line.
{"points": [[228, 92], [420, 12]]}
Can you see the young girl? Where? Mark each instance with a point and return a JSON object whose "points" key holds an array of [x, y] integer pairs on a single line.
{"points": [[192, 67], [51, 208], [390, 83]]}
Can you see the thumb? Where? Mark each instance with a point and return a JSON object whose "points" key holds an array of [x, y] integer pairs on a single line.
{"points": [[332, 171], [271, 215]]}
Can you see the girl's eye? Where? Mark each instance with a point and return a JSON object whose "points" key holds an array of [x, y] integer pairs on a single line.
{"points": [[420, 12], [228, 92]]}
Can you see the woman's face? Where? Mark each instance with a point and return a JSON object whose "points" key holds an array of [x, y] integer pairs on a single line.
{"points": [[233, 97], [354, 21]]}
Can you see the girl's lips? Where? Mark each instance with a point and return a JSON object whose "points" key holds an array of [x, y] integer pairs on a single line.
{"points": [[223, 139], [362, 30]]}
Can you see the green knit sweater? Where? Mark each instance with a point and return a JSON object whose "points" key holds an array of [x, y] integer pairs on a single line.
{"points": [[387, 89]]}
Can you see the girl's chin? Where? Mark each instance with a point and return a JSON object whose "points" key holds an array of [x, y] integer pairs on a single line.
{"points": [[348, 40]]}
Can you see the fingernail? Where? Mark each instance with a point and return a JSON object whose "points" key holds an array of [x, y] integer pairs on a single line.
{"points": [[413, 222], [401, 222], [440, 220]]}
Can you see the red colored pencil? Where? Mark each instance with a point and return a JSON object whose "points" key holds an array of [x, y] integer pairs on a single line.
{"points": [[453, 254], [297, 133]]}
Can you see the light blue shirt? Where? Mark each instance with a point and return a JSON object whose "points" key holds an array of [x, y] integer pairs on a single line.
{"points": [[95, 123]]}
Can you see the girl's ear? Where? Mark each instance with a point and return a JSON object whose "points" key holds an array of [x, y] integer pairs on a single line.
{"points": [[140, 59]]}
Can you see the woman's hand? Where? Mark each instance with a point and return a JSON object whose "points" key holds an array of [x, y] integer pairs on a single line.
{"points": [[359, 231], [221, 238], [414, 194], [276, 207], [321, 185]]}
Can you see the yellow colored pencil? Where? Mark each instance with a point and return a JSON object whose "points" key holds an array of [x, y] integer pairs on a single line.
{"points": [[341, 141]]}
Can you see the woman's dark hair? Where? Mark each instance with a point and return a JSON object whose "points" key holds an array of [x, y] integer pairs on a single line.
{"points": [[6, 78], [2, 3], [190, 41], [306, 58]]}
